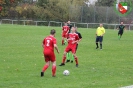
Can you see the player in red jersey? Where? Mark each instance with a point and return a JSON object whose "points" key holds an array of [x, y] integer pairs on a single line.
{"points": [[65, 30], [49, 43], [72, 43], [80, 38]]}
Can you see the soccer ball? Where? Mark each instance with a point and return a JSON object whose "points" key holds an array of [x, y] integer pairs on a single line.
{"points": [[66, 72]]}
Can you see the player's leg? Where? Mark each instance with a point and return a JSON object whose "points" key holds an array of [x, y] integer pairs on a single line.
{"points": [[47, 60], [97, 40], [68, 57], [46, 66], [72, 54], [76, 59], [64, 59], [119, 35], [72, 58], [101, 45], [101, 39], [53, 60], [64, 55], [54, 68]]}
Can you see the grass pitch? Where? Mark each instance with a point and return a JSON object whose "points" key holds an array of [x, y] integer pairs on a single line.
{"points": [[21, 59]]}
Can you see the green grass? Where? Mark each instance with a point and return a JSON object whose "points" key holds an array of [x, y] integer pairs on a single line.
{"points": [[21, 59]]}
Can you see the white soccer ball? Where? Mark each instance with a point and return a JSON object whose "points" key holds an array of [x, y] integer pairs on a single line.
{"points": [[66, 72]]}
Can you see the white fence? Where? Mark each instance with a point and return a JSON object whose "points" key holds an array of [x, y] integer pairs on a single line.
{"points": [[60, 24]]}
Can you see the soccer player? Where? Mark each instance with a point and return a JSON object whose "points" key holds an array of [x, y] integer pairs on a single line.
{"points": [[80, 38], [121, 29], [65, 30], [49, 43], [70, 25], [99, 36], [72, 42]]}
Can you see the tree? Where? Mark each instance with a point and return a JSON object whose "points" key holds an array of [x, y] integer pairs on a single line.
{"points": [[5, 5], [61, 9], [105, 3], [42, 2]]}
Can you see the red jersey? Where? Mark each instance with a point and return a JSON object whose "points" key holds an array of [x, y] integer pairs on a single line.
{"points": [[65, 29], [72, 37], [48, 43]]}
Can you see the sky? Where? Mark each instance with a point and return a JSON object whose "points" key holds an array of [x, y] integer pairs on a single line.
{"points": [[91, 2]]}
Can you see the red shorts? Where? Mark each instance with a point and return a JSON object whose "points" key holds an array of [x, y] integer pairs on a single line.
{"points": [[64, 35], [71, 48], [49, 56]]}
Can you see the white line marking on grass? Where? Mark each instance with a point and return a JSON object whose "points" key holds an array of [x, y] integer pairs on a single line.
{"points": [[127, 86]]}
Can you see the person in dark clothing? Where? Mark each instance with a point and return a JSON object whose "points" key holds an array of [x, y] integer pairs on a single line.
{"points": [[121, 30]]}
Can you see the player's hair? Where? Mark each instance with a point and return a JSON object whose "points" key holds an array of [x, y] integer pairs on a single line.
{"points": [[52, 32]]}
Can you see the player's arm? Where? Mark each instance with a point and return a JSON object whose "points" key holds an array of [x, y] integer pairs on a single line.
{"points": [[103, 32], [43, 43], [80, 37], [77, 40], [56, 47], [117, 28], [67, 30], [68, 37]]}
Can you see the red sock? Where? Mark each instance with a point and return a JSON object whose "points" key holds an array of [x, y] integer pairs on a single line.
{"points": [[53, 70], [76, 60], [64, 59], [62, 42], [44, 68]]}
